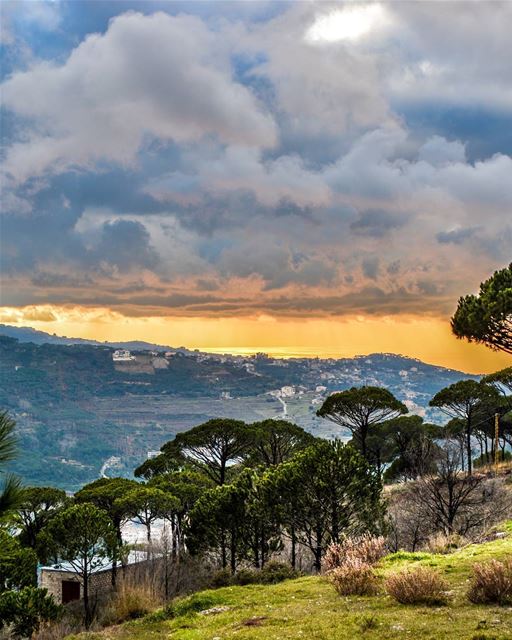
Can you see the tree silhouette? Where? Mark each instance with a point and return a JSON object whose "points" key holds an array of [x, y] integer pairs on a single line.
{"points": [[360, 409], [461, 400], [486, 318]]}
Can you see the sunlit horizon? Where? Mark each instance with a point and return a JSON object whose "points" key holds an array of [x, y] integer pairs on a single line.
{"points": [[428, 339], [294, 177]]}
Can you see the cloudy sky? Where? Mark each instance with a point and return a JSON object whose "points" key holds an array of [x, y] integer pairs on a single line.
{"points": [[303, 175]]}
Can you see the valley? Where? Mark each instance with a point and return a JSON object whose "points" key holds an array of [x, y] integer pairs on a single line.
{"points": [[76, 407]]}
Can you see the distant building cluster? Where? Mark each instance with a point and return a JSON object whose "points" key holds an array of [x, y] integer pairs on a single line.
{"points": [[122, 355]]}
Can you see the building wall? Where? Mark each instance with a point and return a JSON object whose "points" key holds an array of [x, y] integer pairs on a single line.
{"points": [[52, 580]]}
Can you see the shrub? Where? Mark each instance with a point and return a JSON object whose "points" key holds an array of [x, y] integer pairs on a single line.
{"points": [[27, 610], [442, 543], [491, 583], [129, 602], [368, 622], [245, 576], [421, 585], [353, 578], [221, 578], [274, 572], [369, 549]]}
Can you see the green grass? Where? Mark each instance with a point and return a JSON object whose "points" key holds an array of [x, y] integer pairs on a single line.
{"points": [[309, 608]]}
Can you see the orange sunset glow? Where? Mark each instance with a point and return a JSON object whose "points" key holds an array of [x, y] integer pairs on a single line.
{"points": [[428, 339], [216, 185]]}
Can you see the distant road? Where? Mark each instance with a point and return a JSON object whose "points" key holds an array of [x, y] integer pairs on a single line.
{"points": [[113, 461], [285, 407]]}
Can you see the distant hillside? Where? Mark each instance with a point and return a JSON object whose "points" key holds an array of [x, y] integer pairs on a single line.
{"points": [[27, 334], [81, 413]]}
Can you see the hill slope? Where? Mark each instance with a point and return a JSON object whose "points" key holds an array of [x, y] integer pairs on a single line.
{"points": [[81, 413], [27, 334], [309, 608]]}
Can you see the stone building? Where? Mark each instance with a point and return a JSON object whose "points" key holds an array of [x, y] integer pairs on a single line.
{"points": [[64, 584]]}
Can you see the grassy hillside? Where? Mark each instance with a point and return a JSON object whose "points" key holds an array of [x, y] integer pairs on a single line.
{"points": [[309, 608]]}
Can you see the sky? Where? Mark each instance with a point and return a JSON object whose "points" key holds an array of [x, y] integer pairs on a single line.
{"points": [[319, 178]]}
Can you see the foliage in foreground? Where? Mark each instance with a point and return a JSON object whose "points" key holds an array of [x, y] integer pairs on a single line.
{"points": [[491, 582], [310, 608], [26, 610], [420, 585]]}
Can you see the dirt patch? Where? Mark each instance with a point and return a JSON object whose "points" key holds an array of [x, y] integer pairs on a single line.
{"points": [[257, 621]]}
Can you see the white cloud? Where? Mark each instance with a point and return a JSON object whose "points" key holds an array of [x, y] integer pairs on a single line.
{"points": [[285, 178], [349, 23], [160, 76]]}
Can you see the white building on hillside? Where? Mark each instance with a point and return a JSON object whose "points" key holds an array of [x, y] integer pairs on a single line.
{"points": [[122, 355]]}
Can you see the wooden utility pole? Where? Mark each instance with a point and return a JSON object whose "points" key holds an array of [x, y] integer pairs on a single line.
{"points": [[496, 441]]}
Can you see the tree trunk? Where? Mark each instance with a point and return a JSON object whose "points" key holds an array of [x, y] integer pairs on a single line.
{"points": [[318, 550], [256, 550], [223, 550], [364, 432], [87, 606], [114, 573], [233, 553], [294, 545], [174, 536], [468, 446]]}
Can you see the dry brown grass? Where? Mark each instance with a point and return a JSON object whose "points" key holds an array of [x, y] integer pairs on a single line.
{"points": [[491, 583], [366, 548], [354, 578], [129, 602], [442, 543], [420, 585]]}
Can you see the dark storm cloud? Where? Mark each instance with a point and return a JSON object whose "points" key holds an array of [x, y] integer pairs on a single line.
{"points": [[376, 223], [371, 268], [125, 244]]}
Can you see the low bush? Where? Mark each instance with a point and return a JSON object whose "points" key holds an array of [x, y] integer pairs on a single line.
{"points": [[354, 578], [369, 549], [274, 572], [27, 610], [421, 585], [491, 583], [368, 622], [245, 576], [410, 556], [221, 578]]}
